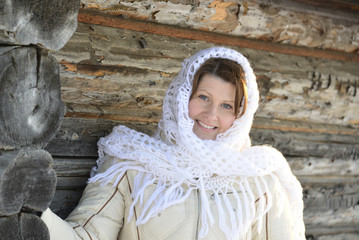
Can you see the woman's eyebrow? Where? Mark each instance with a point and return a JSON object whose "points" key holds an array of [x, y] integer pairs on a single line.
{"points": [[204, 90]]}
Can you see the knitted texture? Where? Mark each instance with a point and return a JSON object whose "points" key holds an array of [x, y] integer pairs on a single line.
{"points": [[179, 162]]}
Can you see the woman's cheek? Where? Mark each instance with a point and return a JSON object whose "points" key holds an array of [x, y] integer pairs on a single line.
{"points": [[228, 122]]}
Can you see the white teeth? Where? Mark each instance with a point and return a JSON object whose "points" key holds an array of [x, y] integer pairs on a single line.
{"points": [[204, 125]]}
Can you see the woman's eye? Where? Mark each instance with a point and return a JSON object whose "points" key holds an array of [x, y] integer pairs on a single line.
{"points": [[203, 97], [227, 106]]}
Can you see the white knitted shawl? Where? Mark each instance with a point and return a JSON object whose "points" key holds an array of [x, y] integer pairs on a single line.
{"points": [[178, 162]]}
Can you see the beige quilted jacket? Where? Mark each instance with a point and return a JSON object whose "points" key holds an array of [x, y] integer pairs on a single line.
{"points": [[103, 210]]}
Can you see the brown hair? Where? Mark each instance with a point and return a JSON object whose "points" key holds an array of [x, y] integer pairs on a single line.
{"points": [[229, 71]]}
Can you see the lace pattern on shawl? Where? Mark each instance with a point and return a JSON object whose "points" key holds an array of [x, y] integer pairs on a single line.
{"points": [[182, 162]]}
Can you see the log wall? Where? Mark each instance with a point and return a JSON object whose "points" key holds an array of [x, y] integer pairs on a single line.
{"points": [[31, 110], [115, 70]]}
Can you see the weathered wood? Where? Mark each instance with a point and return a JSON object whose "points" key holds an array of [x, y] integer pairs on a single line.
{"points": [[65, 201], [335, 236], [291, 87], [78, 137], [73, 167], [347, 6], [324, 166], [9, 228], [328, 180], [332, 222], [70, 183], [305, 145], [32, 227], [31, 107], [26, 180], [48, 23], [325, 197], [23, 226], [269, 21]]}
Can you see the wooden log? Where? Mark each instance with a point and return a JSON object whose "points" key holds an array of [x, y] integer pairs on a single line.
{"points": [[26, 180], [324, 197], [32, 227], [219, 32], [73, 167], [334, 236], [72, 183], [31, 108], [50, 23], [332, 221], [305, 144], [78, 137], [9, 228], [23, 226]]}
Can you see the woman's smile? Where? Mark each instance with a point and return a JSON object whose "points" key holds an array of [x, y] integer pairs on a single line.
{"points": [[205, 126]]}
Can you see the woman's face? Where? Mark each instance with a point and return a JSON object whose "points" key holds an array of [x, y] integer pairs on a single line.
{"points": [[212, 107]]}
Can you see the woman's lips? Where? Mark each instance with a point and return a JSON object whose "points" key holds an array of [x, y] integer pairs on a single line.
{"points": [[205, 127]]}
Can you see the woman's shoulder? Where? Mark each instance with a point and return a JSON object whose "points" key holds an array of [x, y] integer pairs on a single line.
{"points": [[109, 167], [108, 162]]}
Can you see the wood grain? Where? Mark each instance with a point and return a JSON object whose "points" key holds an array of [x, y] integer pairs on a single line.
{"points": [[23, 226], [31, 107], [48, 23], [26, 181]]}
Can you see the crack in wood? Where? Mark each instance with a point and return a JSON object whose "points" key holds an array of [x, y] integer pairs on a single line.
{"points": [[342, 84]]}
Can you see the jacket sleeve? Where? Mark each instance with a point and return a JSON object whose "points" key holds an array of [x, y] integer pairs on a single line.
{"points": [[277, 223], [99, 215]]}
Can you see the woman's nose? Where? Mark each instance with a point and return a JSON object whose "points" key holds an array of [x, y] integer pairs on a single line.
{"points": [[211, 112]]}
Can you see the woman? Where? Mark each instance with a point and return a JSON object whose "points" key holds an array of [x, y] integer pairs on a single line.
{"points": [[198, 177]]}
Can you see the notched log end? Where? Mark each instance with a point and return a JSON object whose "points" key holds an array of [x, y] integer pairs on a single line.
{"points": [[49, 24], [26, 180], [30, 96], [23, 226]]}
